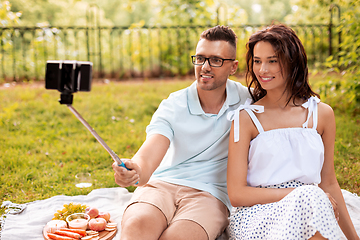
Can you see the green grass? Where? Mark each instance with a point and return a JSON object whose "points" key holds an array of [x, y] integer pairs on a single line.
{"points": [[347, 142], [43, 145]]}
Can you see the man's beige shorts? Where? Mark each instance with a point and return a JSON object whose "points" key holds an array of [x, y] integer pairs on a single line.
{"points": [[178, 202]]}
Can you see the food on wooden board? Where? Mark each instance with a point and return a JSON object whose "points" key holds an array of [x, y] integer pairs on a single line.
{"points": [[58, 237], [78, 220], [79, 231], [93, 212], [68, 234], [68, 210], [104, 215], [54, 225], [97, 224], [58, 229], [111, 227]]}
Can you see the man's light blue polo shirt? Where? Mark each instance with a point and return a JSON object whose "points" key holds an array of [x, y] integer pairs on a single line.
{"points": [[197, 155]]}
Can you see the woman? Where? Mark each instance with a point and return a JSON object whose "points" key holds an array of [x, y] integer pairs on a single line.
{"points": [[280, 164]]}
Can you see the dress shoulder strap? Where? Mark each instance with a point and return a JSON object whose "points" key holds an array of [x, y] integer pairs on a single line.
{"points": [[312, 106], [255, 120], [234, 116]]}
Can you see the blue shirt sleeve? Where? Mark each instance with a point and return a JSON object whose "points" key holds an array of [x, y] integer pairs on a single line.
{"points": [[161, 120]]}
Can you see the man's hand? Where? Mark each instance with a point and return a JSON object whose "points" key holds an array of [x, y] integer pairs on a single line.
{"points": [[125, 177], [334, 205]]}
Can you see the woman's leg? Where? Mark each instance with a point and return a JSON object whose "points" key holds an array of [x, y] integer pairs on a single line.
{"points": [[317, 236]]}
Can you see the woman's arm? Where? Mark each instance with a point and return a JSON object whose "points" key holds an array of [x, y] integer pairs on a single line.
{"points": [[329, 183], [239, 193]]}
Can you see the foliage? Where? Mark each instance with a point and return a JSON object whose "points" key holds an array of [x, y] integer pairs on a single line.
{"points": [[317, 11], [347, 60], [305, 11], [126, 12], [152, 12], [58, 13], [262, 11], [38, 12], [184, 12], [7, 17], [147, 46], [135, 51]]}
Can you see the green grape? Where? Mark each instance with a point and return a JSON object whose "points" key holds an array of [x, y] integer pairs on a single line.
{"points": [[68, 210]]}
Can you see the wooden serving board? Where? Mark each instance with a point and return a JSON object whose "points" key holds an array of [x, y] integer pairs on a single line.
{"points": [[104, 235]]}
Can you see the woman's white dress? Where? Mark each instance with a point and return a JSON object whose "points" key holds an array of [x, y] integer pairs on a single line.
{"points": [[286, 158]]}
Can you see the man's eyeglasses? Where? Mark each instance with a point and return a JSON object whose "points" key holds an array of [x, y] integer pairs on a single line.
{"points": [[213, 61]]}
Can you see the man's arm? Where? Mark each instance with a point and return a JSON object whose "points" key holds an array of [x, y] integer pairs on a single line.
{"points": [[144, 162]]}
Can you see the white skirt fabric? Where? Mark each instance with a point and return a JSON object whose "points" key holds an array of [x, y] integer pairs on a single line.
{"points": [[299, 215]]}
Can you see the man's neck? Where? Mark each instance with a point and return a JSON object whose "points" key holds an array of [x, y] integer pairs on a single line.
{"points": [[212, 101]]}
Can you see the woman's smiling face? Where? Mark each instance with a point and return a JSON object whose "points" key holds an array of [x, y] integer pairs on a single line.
{"points": [[267, 67]]}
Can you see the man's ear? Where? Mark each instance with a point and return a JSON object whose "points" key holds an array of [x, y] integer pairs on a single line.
{"points": [[234, 67]]}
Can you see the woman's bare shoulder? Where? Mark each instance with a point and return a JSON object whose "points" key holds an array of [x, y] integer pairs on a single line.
{"points": [[325, 110]]}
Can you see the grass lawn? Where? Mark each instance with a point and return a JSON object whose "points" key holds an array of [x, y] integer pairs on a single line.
{"points": [[43, 145]]}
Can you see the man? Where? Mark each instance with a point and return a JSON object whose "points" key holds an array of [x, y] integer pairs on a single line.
{"points": [[181, 166]]}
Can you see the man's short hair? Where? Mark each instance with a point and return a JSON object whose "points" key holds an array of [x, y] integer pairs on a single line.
{"points": [[220, 33]]}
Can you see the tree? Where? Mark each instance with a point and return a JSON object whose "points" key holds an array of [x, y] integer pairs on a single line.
{"points": [[34, 12], [184, 12], [348, 59], [7, 17], [126, 12], [309, 11], [262, 11], [54, 12]]}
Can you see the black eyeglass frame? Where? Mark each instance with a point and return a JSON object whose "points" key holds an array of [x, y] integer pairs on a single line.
{"points": [[208, 59]]}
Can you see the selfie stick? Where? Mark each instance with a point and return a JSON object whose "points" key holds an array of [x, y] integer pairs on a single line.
{"points": [[100, 140]]}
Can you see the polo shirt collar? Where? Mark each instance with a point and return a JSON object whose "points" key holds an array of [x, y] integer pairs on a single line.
{"points": [[232, 98]]}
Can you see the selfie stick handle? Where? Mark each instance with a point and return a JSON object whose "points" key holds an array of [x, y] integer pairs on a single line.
{"points": [[100, 140]]}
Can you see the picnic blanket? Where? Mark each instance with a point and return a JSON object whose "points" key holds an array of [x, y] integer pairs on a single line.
{"points": [[33, 216]]}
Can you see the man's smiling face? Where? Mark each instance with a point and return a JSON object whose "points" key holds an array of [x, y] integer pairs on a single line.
{"points": [[208, 77]]}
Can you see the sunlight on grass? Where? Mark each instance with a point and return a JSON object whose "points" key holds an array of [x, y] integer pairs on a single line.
{"points": [[43, 145]]}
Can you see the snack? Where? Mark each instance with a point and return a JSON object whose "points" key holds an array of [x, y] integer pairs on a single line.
{"points": [[58, 229], [58, 237], [79, 231], [104, 215], [97, 224], [54, 225], [78, 221], [68, 210], [68, 234], [93, 212]]}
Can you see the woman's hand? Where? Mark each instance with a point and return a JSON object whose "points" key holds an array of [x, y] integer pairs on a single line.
{"points": [[334, 205]]}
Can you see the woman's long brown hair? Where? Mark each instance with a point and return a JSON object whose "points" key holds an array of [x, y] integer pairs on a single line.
{"points": [[293, 62]]}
